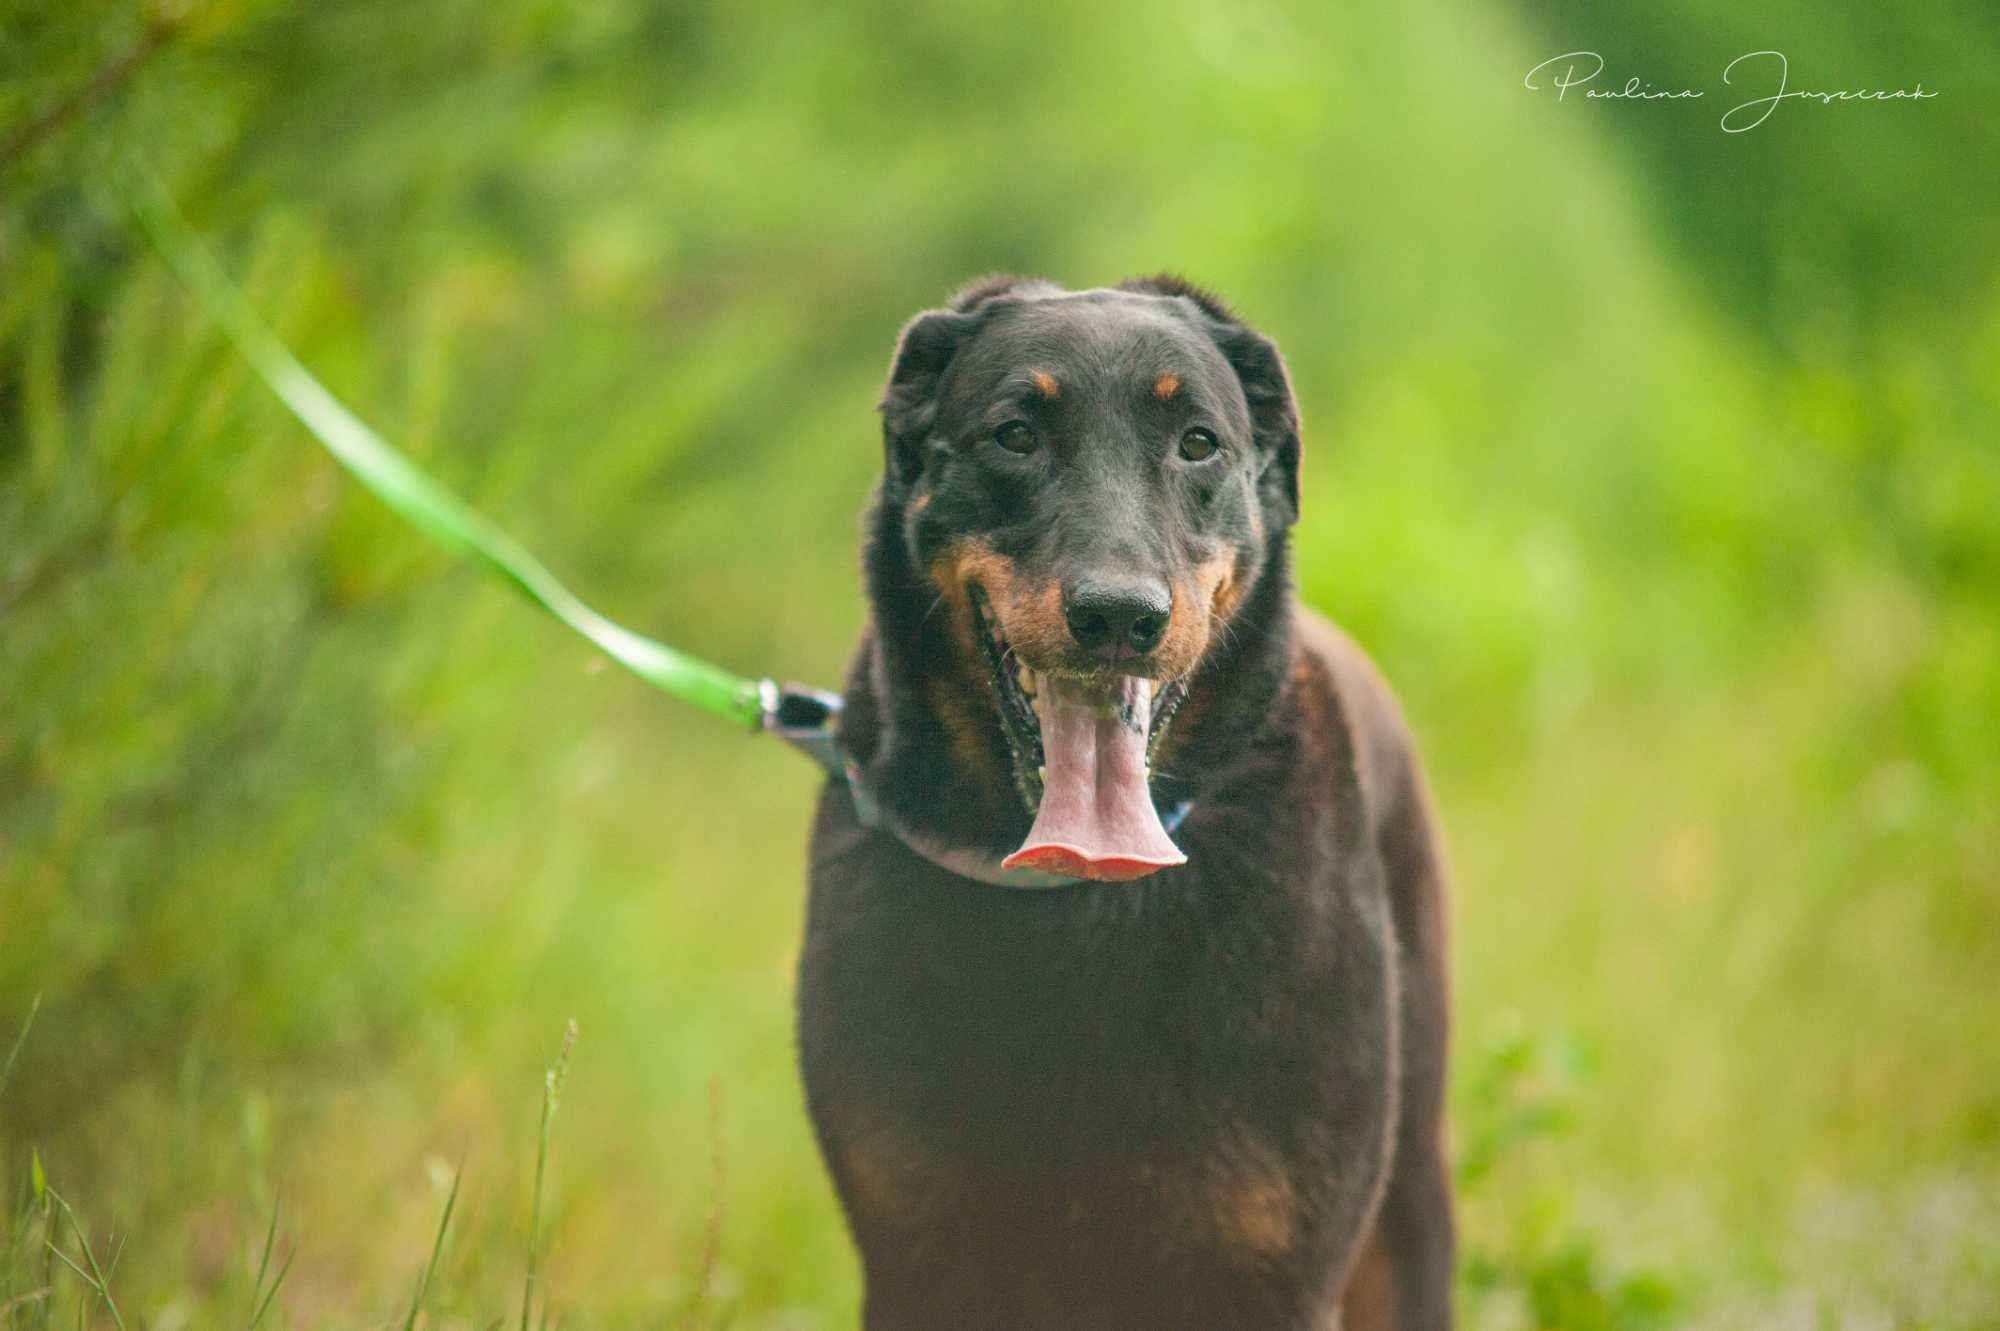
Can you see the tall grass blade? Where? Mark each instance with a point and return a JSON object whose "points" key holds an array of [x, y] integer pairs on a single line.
{"points": [[437, 1247], [264, 1262], [7, 1069], [552, 1088], [260, 1298], [277, 1281], [94, 1277]]}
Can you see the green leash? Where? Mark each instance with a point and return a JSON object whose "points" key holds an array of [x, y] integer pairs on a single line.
{"points": [[442, 515], [807, 719]]}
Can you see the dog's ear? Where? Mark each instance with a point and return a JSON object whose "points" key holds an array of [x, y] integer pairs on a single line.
{"points": [[909, 400], [923, 352], [1274, 412]]}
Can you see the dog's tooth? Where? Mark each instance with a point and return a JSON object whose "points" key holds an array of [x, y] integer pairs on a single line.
{"points": [[1042, 774], [1027, 680]]}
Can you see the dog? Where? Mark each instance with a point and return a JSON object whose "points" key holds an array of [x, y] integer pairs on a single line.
{"points": [[1194, 1077]]}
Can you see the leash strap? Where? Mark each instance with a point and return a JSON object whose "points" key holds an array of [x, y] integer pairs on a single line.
{"points": [[415, 494], [807, 719]]}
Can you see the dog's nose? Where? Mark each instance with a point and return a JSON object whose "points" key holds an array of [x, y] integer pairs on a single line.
{"points": [[1115, 619]]}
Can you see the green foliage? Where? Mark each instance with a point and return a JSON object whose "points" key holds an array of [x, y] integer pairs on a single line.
{"points": [[1657, 467], [1523, 1255]]}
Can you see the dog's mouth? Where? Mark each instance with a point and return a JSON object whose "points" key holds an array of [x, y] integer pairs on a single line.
{"points": [[1082, 747]]}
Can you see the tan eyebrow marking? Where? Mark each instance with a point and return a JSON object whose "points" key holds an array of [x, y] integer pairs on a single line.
{"points": [[1166, 385], [1044, 382]]}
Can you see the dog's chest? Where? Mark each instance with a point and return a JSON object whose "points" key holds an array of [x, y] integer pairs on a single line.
{"points": [[1208, 1083]]}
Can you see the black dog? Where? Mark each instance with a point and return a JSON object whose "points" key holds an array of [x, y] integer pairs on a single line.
{"points": [[1208, 1098]]}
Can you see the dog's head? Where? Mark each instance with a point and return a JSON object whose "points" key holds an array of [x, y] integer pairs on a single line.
{"points": [[1089, 479]]}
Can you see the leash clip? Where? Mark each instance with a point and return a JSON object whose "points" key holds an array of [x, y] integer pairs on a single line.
{"points": [[807, 719]]}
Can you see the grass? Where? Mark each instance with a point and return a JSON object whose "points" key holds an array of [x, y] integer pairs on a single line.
{"points": [[93, 1278], [552, 1086], [261, 1295], [1553, 1272], [45, 1222]]}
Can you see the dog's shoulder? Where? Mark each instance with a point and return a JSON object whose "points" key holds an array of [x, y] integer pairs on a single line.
{"points": [[1386, 765]]}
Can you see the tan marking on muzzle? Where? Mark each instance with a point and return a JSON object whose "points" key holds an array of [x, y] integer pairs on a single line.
{"points": [[1029, 610], [1225, 591], [1208, 596], [959, 696], [951, 698], [1030, 616]]}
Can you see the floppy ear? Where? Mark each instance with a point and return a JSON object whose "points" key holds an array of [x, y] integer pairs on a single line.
{"points": [[909, 400], [1274, 412], [923, 353]]}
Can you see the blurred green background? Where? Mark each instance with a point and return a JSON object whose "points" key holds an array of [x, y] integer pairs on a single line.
{"points": [[1658, 466]]}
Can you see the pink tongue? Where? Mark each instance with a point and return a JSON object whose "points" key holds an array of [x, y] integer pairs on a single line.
{"points": [[1097, 818]]}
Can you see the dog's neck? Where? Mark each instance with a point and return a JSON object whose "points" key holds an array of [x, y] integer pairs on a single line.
{"points": [[921, 719]]}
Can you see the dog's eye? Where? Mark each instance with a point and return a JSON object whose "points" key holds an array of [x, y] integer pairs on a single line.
{"points": [[1198, 445], [1016, 437]]}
